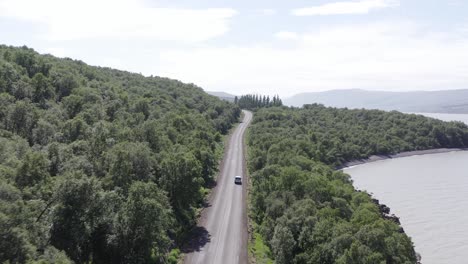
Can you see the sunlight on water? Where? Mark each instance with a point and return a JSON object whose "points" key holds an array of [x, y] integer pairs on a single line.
{"points": [[447, 117], [429, 194]]}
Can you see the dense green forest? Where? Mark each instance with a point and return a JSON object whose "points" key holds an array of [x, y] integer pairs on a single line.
{"points": [[254, 101], [100, 165], [104, 166], [304, 209]]}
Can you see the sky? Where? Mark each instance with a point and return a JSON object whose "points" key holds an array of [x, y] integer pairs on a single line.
{"points": [[267, 47]]}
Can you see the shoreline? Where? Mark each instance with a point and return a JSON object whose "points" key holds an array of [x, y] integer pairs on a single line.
{"points": [[384, 210], [374, 158]]}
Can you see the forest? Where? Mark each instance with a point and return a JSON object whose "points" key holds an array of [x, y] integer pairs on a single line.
{"points": [[105, 166], [100, 165], [306, 211], [255, 101]]}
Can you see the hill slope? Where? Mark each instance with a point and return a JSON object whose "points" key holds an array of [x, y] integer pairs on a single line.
{"points": [[100, 165], [451, 101]]}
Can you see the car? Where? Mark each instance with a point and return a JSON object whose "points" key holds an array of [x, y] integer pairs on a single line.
{"points": [[238, 179]]}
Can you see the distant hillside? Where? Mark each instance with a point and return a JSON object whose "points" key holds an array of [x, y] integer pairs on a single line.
{"points": [[223, 95], [451, 101]]}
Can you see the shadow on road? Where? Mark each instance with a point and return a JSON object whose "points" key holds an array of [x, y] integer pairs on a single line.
{"points": [[206, 204], [199, 237]]}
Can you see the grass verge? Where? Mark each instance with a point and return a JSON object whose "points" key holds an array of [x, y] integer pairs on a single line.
{"points": [[259, 252]]}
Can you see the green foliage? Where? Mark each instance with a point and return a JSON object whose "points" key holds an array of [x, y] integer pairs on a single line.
{"points": [[334, 136], [305, 210], [142, 225], [43, 91], [259, 250], [181, 178], [254, 101], [79, 213], [21, 118], [99, 165], [174, 256], [33, 170], [130, 162], [282, 244]]}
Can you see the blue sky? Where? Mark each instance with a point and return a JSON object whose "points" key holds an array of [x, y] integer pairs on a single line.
{"points": [[270, 47]]}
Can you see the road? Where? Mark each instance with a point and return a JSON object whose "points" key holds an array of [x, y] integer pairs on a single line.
{"points": [[222, 226]]}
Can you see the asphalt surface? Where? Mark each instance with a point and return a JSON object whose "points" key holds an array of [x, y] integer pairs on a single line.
{"points": [[222, 229]]}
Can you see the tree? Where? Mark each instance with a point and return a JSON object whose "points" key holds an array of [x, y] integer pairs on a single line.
{"points": [[22, 89], [14, 247], [8, 76], [42, 89], [43, 133], [181, 178], [308, 212], [358, 254], [253, 102], [81, 210], [55, 158], [283, 244], [33, 170], [73, 105], [153, 132], [143, 225], [74, 140], [130, 162], [75, 129], [27, 59], [141, 106], [64, 83], [22, 118]]}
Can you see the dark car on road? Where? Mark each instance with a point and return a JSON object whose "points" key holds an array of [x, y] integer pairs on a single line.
{"points": [[238, 179]]}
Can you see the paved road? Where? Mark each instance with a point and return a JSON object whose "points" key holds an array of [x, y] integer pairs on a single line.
{"points": [[223, 224]]}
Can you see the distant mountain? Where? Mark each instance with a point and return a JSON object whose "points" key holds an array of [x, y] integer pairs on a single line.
{"points": [[450, 101], [222, 95]]}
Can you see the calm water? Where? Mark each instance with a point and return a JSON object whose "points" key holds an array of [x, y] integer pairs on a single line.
{"points": [[430, 195], [447, 117]]}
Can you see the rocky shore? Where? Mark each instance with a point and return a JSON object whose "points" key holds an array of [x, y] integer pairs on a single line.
{"points": [[385, 213]]}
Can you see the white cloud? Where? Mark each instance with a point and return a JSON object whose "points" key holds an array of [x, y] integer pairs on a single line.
{"points": [[455, 2], [269, 12], [286, 35], [388, 56], [340, 8], [56, 51], [71, 20], [391, 55]]}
